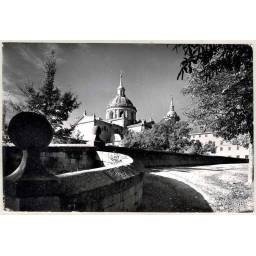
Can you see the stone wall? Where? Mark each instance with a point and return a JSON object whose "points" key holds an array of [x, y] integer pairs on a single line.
{"points": [[117, 189], [56, 158], [86, 179], [116, 185], [161, 158]]}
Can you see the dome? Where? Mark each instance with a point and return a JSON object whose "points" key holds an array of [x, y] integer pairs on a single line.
{"points": [[121, 101], [171, 113]]}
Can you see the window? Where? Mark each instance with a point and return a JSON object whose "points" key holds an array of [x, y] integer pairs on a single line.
{"points": [[221, 148], [221, 143], [206, 135], [238, 156], [246, 157], [199, 135], [229, 148], [237, 147], [194, 136]]}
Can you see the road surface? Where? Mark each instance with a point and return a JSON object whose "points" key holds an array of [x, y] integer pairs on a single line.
{"points": [[212, 188]]}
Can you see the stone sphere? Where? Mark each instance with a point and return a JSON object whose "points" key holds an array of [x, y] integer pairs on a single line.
{"points": [[30, 130]]}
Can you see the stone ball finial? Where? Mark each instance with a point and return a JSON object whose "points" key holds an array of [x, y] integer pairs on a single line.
{"points": [[30, 130]]}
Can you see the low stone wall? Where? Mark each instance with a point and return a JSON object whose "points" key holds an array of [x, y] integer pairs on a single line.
{"points": [[103, 189], [161, 158], [56, 158], [115, 186], [86, 179]]}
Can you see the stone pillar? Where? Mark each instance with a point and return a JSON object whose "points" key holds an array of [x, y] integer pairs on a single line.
{"points": [[31, 187]]}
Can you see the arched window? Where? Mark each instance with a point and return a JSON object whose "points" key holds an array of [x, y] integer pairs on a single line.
{"points": [[110, 115], [121, 113]]}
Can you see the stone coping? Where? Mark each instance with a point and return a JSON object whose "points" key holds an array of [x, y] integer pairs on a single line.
{"points": [[125, 161]]}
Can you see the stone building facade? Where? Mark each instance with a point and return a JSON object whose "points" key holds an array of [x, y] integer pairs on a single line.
{"points": [[223, 148]]}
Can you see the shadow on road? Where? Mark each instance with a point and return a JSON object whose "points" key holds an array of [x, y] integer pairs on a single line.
{"points": [[162, 194]]}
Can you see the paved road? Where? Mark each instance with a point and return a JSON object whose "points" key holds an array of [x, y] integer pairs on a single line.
{"points": [[213, 188]]}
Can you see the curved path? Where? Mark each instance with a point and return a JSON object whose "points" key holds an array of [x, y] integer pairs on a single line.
{"points": [[218, 188]]}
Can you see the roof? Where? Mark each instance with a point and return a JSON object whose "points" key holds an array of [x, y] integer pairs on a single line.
{"points": [[121, 101]]}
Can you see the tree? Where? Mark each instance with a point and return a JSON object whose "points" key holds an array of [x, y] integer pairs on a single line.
{"points": [[220, 81], [168, 135], [5, 137], [49, 101], [209, 148], [221, 75], [195, 148], [242, 140]]}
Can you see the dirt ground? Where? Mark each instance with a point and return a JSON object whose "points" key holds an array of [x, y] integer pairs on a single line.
{"points": [[213, 188]]}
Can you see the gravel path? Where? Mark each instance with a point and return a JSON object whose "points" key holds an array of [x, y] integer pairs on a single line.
{"points": [[213, 188]]}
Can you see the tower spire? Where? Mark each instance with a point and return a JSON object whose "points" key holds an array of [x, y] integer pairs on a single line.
{"points": [[120, 89], [172, 105], [121, 76]]}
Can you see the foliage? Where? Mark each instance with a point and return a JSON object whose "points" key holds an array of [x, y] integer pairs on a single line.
{"points": [[209, 148], [76, 138], [216, 58], [242, 140], [169, 135], [49, 101], [221, 85], [5, 137], [196, 147]]}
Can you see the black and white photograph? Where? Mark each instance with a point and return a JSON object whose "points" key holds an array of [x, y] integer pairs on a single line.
{"points": [[127, 127]]}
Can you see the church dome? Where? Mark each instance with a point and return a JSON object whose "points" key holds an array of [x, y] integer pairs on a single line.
{"points": [[120, 110], [171, 114], [120, 101]]}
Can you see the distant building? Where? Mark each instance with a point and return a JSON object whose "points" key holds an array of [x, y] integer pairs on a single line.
{"points": [[171, 114], [120, 116], [223, 148]]}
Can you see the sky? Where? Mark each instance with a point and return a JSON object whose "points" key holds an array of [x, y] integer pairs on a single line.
{"points": [[91, 71]]}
